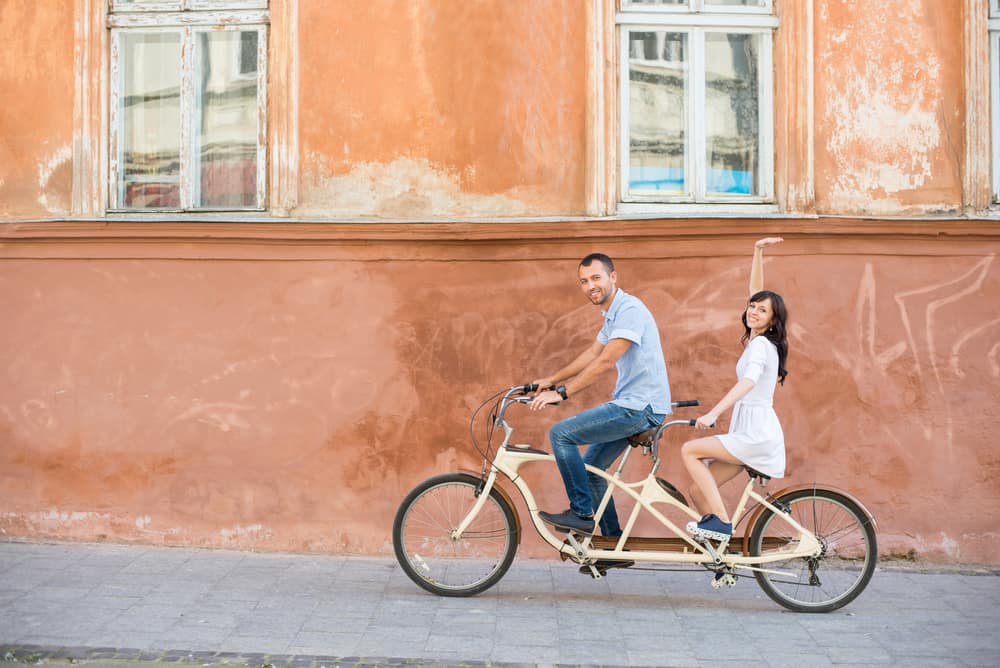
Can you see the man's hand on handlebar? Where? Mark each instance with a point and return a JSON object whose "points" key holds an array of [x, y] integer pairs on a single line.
{"points": [[543, 384], [544, 398]]}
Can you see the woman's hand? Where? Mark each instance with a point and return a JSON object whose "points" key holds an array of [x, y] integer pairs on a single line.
{"points": [[769, 241], [706, 421]]}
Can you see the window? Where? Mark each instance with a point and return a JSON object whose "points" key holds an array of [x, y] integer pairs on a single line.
{"points": [[188, 100], [696, 101], [994, 26]]}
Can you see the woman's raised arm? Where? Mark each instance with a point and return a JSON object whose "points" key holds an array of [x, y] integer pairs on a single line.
{"points": [[757, 267]]}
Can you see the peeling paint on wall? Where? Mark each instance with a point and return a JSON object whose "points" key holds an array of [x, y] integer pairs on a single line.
{"points": [[884, 109], [52, 171], [403, 188]]}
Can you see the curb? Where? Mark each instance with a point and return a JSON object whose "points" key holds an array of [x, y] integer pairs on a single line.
{"points": [[36, 654]]}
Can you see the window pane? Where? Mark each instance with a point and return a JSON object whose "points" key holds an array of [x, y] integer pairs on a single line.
{"points": [[227, 113], [145, 5], [657, 123], [731, 113], [150, 120], [658, 2]]}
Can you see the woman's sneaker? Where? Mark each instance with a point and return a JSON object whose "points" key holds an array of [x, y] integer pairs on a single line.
{"points": [[710, 526]]}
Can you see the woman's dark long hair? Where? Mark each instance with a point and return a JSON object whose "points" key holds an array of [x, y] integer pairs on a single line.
{"points": [[777, 332]]}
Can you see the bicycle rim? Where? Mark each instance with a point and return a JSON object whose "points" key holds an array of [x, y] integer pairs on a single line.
{"points": [[426, 550], [843, 569]]}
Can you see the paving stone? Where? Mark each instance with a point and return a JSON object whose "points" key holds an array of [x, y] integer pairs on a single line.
{"points": [[189, 605]]}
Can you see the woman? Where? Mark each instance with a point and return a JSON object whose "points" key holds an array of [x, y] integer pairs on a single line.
{"points": [[755, 438]]}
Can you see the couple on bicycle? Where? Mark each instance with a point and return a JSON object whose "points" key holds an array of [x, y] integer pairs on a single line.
{"points": [[630, 341]]}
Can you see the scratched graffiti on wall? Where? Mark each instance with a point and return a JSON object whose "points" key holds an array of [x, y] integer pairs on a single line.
{"points": [[309, 438]]}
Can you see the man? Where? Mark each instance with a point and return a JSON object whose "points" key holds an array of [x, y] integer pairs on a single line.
{"points": [[630, 341]]}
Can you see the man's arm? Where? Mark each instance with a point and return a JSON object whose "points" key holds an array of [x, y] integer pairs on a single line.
{"points": [[573, 368], [606, 359]]}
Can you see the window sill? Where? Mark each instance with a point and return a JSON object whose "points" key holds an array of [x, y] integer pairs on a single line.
{"points": [[657, 210]]}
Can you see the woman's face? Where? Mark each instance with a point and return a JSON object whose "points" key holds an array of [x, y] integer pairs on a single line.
{"points": [[760, 315]]}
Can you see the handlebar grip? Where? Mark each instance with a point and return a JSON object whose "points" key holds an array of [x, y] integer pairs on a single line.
{"points": [[694, 422], [529, 387], [686, 404]]}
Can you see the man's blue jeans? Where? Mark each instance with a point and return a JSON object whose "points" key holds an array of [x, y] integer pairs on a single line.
{"points": [[606, 428]]}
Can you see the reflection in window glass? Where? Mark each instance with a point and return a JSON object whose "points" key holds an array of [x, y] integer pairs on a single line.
{"points": [[151, 120], [731, 113], [227, 126], [657, 119]]}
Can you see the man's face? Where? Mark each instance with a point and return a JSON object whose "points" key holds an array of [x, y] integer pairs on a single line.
{"points": [[597, 283]]}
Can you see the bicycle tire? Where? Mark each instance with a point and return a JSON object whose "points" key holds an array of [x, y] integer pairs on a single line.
{"points": [[843, 569], [421, 536]]}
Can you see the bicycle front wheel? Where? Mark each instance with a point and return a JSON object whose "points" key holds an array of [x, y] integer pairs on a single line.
{"points": [[844, 566], [437, 561]]}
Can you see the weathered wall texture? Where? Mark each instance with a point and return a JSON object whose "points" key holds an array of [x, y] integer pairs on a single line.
{"points": [[36, 117], [282, 385], [442, 109], [291, 404], [889, 107]]}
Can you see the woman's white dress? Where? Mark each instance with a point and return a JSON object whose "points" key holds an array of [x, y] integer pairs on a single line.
{"points": [[755, 436]]}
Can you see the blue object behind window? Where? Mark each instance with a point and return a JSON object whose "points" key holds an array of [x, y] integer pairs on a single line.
{"points": [[731, 181]]}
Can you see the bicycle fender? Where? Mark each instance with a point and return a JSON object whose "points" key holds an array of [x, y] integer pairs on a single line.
{"points": [[759, 510], [503, 493]]}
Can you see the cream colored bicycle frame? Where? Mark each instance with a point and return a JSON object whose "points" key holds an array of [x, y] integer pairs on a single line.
{"points": [[646, 493]]}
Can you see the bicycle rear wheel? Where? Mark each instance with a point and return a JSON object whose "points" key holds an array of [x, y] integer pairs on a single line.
{"points": [[842, 570], [432, 558]]}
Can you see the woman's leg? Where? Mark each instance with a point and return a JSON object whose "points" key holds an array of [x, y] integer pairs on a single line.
{"points": [[707, 479], [722, 472]]}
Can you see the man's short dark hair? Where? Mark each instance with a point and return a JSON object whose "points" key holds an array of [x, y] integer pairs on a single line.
{"points": [[609, 266]]}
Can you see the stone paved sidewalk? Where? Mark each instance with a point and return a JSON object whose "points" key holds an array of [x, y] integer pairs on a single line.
{"points": [[140, 604]]}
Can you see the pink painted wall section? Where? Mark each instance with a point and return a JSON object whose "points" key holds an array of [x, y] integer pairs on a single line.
{"points": [[889, 107], [36, 117], [438, 109], [275, 404]]}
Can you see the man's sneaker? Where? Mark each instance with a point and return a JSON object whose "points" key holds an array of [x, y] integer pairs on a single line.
{"points": [[569, 521], [710, 526]]}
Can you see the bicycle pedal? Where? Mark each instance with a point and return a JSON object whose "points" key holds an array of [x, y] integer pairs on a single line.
{"points": [[604, 565], [723, 580], [601, 572]]}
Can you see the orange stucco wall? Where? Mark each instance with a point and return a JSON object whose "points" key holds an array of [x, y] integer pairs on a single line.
{"points": [[281, 385], [36, 117], [290, 404], [889, 107], [442, 108]]}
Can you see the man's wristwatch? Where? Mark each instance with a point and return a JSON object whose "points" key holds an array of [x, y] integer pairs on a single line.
{"points": [[562, 392]]}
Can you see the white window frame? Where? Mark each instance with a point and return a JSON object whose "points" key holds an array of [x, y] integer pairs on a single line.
{"points": [[186, 17], [696, 19], [994, 33]]}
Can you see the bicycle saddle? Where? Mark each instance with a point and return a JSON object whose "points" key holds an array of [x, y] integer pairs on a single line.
{"points": [[643, 438], [754, 473]]}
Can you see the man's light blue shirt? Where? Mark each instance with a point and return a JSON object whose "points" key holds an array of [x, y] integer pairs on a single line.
{"points": [[642, 373]]}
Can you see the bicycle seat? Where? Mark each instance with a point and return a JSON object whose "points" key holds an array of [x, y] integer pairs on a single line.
{"points": [[643, 438], [754, 473]]}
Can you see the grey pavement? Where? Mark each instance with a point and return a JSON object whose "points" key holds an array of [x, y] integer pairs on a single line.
{"points": [[124, 605]]}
